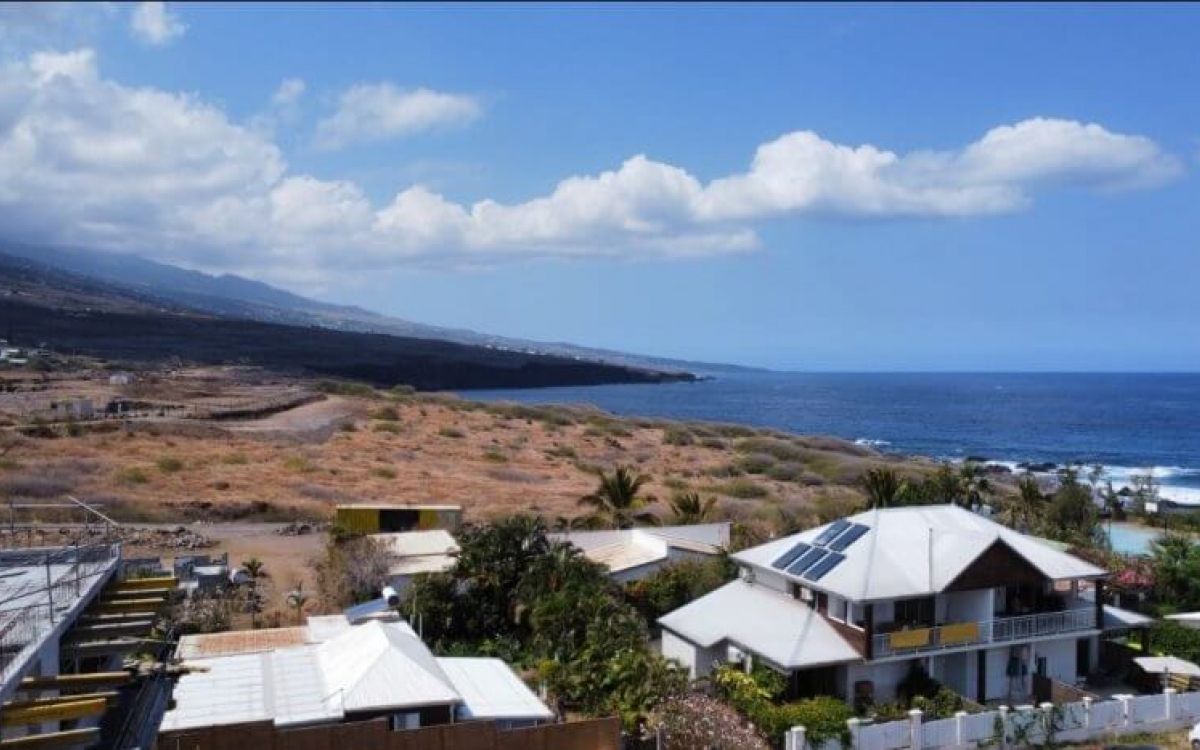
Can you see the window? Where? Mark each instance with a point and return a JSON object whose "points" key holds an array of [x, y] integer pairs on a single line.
{"points": [[915, 613], [410, 720]]}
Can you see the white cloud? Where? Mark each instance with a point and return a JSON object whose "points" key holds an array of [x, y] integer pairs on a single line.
{"points": [[379, 111], [154, 24], [289, 92], [87, 161]]}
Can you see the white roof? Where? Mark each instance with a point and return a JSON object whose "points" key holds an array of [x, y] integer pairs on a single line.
{"points": [[1172, 664], [626, 549], [1116, 618], [416, 552], [380, 665], [227, 690], [490, 690], [917, 551], [772, 624]]}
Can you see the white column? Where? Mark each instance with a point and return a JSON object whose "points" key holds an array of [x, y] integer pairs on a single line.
{"points": [[916, 730], [794, 739], [855, 726], [1087, 712], [1003, 738], [1047, 717], [1171, 696], [960, 727]]}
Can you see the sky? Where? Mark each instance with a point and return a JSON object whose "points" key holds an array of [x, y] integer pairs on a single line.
{"points": [[802, 187]]}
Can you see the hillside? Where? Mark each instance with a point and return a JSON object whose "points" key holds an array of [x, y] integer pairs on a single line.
{"points": [[228, 295], [491, 458], [76, 314]]}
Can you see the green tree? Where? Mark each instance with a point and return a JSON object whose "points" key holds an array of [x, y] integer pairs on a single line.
{"points": [[1071, 515], [883, 487], [1175, 562], [944, 486], [687, 507], [617, 499], [296, 599], [1029, 500], [974, 483]]}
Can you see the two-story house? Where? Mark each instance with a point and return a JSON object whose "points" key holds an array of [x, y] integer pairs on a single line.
{"points": [[849, 608]]}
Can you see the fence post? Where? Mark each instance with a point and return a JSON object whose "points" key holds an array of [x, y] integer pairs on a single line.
{"points": [[1047, 710], [1087, 712], [854, 724], [1124, 699], [1003, 738], [1171, 700], [794, 739], [960, 727], [916, 733]]}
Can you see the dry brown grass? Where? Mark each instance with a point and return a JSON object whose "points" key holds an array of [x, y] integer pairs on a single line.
{"points": [[492, 459]]}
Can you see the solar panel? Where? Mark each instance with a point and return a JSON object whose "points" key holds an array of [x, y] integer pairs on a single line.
{"points": [[805, 560], [828, 534], [790, 556], [827, 563], [849, 537]]}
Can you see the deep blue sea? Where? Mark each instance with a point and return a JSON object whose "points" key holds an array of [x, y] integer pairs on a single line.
{"points": [[1128, 422]]}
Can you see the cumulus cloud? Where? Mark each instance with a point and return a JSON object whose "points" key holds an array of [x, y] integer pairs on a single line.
{"points": [[380, 111], [289, 92], [154, 24], [87, 161]]}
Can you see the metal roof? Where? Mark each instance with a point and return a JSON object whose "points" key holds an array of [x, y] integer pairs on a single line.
{"points": [[490, 690], [772, 624], [377, 665], [625, 549], [917, 551], [415, 552]]}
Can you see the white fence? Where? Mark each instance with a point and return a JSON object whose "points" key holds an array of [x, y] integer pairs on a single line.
{"points": [[1026, 725]]}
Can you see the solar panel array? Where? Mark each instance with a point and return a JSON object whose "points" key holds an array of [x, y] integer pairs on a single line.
{"points": [[811, 561]]}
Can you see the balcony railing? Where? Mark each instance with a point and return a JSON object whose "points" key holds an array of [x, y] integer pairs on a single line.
{"points": [[1001, 630]]}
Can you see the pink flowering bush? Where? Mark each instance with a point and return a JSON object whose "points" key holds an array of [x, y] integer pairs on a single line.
{"points": [[692, 721]]}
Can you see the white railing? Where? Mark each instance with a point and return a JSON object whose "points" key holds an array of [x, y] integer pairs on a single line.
{"points": [[1041, 725], [1000, 630]]}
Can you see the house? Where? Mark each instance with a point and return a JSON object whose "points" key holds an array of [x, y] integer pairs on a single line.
{"points": [[633, 554], [375, 518], [338, 669], [416, 552], [853, 607]]}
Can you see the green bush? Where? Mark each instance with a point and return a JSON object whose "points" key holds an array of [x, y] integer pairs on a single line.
{"points": [[675, 435], [386, 414], [235, 459], [495, 456], [824, 717], [299, 464], [786, 472], [392, 428], [452, 432], [756, 463], [169, 464], [561, 451], [132, 475], [780, 450], [345, 388]]}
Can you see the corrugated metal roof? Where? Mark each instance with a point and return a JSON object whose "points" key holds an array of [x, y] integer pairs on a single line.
{"points": [[491, 690], [378, 665], [774, 625], [415, 543], [916, 551], [200, 645], [625, 549], [229, 690]]}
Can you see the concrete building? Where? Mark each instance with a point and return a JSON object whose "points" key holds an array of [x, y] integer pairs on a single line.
{"points": [[853, 607], [67, 620]]}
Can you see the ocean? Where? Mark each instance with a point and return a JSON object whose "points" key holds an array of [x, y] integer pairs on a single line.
{"points": [[1130, 423]]}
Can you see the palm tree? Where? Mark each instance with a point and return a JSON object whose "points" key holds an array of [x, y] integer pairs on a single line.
{"points": [[1029, 499], [974, 483], [689, 508], [883, 486], [944, 486], [255, 570], [616, 499], [296, 599]]}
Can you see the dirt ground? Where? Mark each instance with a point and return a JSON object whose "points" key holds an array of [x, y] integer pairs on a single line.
{"points": [[288, 560], [363, 445]]}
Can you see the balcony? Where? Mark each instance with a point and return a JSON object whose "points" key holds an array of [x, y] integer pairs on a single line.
{"points": [[1001, 630]]}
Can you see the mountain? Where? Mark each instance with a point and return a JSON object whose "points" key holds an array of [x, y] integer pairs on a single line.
{"points": [[81, 314], [234, 296]]}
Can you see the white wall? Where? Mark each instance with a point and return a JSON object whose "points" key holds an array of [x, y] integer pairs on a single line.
{"points": [[886, 677], [968, 606], [770, 580], [1060, 658], [997, 685], [698, 660]]}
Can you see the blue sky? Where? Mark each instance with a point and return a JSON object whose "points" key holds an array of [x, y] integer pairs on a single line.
{"points": [[939, 187]]}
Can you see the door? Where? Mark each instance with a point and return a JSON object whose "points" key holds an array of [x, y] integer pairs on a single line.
{"points": [[1083, 657]]}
